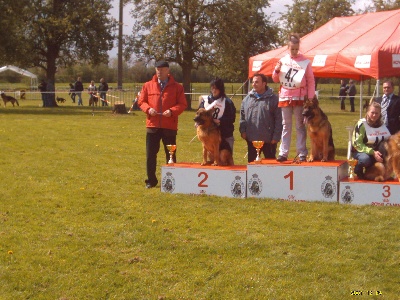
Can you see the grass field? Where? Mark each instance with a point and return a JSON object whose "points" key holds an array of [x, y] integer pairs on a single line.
{"points": [[76, 221]]}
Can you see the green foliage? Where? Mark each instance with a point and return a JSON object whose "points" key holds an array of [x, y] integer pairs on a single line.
{"points": [[77, 223], [243, 21], [58, 33], [305, 16]]}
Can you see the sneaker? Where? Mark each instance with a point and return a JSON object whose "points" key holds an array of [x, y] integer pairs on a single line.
{"points": [[281, 158], [302, 158]]}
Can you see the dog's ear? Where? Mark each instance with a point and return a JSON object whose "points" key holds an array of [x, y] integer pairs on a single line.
{"points": [[315, 100]]}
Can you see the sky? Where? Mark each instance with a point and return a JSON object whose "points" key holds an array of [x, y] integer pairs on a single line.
{"points": [[277, 6]]}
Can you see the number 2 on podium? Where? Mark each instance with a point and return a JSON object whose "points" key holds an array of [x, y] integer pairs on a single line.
{"points": [[290, 176], [202, 182]]}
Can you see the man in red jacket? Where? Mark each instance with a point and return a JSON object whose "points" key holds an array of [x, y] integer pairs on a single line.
{"points": [[162, 99]]}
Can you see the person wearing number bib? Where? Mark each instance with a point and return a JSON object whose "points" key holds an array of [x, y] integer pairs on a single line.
{"points": [[368, 135], [224, 113], [296, 77]]}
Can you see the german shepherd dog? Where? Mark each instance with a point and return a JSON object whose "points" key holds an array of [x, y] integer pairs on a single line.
{"points": [[390, 150], [60, 100], [219, 152], [320, 131], [8, 99]]}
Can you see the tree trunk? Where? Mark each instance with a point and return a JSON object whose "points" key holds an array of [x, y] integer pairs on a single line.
{"points": [[186, 71], [51, 75]]}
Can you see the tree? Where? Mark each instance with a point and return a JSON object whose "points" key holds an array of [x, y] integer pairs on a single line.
{"points": [[194, 33], [59, 33], [304, 16], [243, 32], [381, 5]]}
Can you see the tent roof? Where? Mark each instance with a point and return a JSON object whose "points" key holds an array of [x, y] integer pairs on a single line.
{"points": [[18, 70], [362, 46]]}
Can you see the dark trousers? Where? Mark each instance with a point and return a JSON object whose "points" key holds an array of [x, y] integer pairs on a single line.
{"points": [[269, 151], [153, 139], [342, 104], [103, 96], [351, 103]]}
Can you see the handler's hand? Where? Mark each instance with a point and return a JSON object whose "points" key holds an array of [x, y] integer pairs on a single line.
{"points": [[152, 112], [278, 66], [167, 113], [378, 156], [243, 135]]}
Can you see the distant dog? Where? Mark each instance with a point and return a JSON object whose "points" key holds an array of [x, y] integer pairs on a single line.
{"points": [[8, 99], [219, 153], [60, 100], [319, 130], [390, 150], [93, 99]]}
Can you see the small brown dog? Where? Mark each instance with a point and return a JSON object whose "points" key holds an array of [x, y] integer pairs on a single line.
{"points": [[209, 135], [8, 99], [319, 130], [391, 164], [93, 99]]}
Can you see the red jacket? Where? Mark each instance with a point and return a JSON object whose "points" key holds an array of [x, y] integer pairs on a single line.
{"points": [[172, 98]]}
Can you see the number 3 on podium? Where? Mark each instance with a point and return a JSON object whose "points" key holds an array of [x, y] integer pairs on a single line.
{"points": [[290, 176]]}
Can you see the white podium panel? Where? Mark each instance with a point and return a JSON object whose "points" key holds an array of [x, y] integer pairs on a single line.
{"points": [[192, 178], [386, 193], [314, 181]]}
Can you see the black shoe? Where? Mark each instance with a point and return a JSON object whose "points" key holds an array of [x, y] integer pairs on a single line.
{"points": [[302, 158], [281, 158], [149, 185]]}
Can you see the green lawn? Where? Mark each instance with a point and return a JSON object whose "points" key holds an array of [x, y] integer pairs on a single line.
{"points": [[76, 221]]}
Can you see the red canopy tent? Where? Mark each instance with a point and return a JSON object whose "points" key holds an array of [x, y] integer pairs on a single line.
{"points": [[358, 47]]}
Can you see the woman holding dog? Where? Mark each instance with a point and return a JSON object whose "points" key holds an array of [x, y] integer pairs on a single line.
{"points": [[296, 77], [368, 135], [224, 113]]}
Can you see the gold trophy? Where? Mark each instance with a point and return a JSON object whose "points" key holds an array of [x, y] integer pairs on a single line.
{"points": [[171, 149], [258, 145], [352, 163]]}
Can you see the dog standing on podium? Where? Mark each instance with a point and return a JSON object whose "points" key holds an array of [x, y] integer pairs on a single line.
{"points": [[215, 149], [319, 130]]}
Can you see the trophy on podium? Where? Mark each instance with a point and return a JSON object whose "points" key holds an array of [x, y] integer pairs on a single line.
{"points": [[171, 149], [352, 163], [258, 145]]}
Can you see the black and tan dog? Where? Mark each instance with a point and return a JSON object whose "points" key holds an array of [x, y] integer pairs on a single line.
{"points": [[60, 100], [217, 152], [8, 99], [319, 130], [390, 150]]}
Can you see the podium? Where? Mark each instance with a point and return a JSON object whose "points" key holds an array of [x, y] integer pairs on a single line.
{"points": [[385, 193], [314, 181], [192, 178]]}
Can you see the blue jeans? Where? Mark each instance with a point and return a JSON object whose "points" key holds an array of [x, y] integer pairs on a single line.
{"points": [[364, 161], [79, 94], [301, 132]]}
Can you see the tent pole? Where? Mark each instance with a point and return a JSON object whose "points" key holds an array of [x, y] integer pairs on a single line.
{"points": [[378, 83], [361, 96]]}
